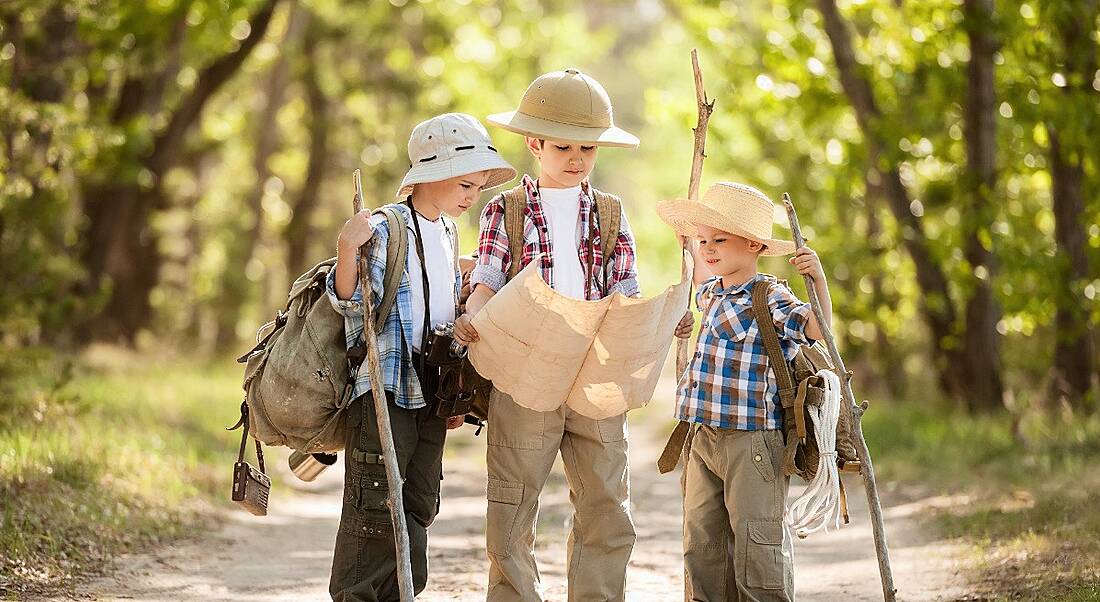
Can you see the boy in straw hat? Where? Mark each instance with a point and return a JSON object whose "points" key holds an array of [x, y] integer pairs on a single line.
{"points": [[569, 226], [736, 489], [451, 161]]}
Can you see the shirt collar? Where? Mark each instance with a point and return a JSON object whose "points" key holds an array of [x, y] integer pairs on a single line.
{"points": [[743, 288]]}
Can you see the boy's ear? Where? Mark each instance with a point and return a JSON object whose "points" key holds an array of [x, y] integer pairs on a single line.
{"points": [[756, 246], [534, 145]]}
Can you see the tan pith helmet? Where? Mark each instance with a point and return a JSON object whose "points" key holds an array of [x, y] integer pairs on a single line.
{"points": [[568, 106], [730, 207]]}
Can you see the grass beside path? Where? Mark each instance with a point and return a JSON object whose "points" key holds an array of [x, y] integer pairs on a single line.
{"points": [[1021, 491], [104, 453]]}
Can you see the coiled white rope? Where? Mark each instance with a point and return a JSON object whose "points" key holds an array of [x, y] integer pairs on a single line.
{"points": [[819, 506]]}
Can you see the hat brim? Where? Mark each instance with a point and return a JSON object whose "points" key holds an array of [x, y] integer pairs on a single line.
{"points": [[536, 127], [684, 215], [500, 171]]}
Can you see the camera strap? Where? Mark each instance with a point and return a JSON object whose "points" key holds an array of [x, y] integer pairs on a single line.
{"points": [[424, 283], [244, 438]]}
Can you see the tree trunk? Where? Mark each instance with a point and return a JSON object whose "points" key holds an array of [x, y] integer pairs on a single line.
{"points": [[235, 286], [120, 250], [1075, 360], [981, 342], [936, 304], [299, 231]]}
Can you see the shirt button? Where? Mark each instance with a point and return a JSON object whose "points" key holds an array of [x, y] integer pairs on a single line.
{"points": [[698, 354], [757, 457], [694, 384]]}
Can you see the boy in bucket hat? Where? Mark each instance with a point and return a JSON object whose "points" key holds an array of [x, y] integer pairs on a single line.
{"points": [[586, 250], [736, 489], [451, 161]]}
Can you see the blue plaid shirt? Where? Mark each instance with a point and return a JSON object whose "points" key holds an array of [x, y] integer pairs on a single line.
{"points": [[728, 383], [395, 340]]}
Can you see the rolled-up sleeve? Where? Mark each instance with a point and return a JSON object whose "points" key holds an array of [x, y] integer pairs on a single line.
{"points": [[353, 307], [624, 274], [790, 314], [493, 255]]}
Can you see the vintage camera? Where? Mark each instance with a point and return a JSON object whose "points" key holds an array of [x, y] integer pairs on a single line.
{"points": [[251, 488], [442, 349]]}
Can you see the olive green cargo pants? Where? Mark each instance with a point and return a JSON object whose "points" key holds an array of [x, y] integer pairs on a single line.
{"points": [[523, 445], [364, 565], [736, 545]]}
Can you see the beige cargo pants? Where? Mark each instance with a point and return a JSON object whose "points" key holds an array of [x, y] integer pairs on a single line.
{"points": [[523, 445], [736, 545]]}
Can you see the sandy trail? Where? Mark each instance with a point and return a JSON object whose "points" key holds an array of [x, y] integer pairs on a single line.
{"points": [[286, 555]]}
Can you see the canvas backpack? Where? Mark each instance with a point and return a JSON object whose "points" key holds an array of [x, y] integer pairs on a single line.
{"points": [[299, 377], [800, 388]]}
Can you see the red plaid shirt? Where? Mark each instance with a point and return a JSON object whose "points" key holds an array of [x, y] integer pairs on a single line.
{"points": [[494, 257]]}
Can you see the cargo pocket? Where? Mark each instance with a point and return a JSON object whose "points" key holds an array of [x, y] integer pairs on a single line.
{"points": [[762, 456], [504, 499], [612, 429], [365, 512], [764, 555]]}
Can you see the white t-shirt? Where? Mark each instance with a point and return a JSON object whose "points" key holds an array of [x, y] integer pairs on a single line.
{"points": [[439, 255], [562, 207]]}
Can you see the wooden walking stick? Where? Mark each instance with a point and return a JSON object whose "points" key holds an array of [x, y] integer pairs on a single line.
{"points": [[382, 414], [683, 354], [864, 454]]}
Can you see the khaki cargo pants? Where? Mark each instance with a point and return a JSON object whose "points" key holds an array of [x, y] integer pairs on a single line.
{"points": [[736, 545], [364, 564], [523, 445]]}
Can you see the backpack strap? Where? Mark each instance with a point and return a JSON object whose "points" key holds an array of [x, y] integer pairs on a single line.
{"points": [[790, 395], [515, 202], [397, 250], [609, 216]]}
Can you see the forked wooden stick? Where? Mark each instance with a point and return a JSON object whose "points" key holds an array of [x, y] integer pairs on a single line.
{"points": [[683, 354], [864, 454], [382, 415]]}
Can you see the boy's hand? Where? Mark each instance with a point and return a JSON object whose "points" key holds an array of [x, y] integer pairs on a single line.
{"points": [[355, 233], [683, 329], [454, 422], [465, 332], [807, 262]]}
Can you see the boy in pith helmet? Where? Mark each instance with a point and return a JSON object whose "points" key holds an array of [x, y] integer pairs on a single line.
{"points": [[585, 250], [736, 488]]}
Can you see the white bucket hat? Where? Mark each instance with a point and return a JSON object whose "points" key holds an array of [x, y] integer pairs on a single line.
{"points": [[451, 145], [568, 106], [730, 207]]}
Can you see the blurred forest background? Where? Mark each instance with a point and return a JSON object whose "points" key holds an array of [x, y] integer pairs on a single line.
{"points": [[168, 166]]}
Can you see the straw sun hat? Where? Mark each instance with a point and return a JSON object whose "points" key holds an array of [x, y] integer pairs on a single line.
{"points": [[568, 106], [450, 145], [730, 207]]}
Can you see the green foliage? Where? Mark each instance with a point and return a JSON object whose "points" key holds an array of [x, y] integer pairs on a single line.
{"points": [[75, 115]]}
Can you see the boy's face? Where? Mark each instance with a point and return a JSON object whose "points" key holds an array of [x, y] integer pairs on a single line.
{"points": [[562, 164], [453, 196], [725, 253]]}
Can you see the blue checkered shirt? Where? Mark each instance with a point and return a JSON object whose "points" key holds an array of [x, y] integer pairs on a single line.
{"points": [[728, 383], [395, 340]]}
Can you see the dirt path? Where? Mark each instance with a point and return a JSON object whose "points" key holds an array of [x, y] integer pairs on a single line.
{"points": [[286, 556]]}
